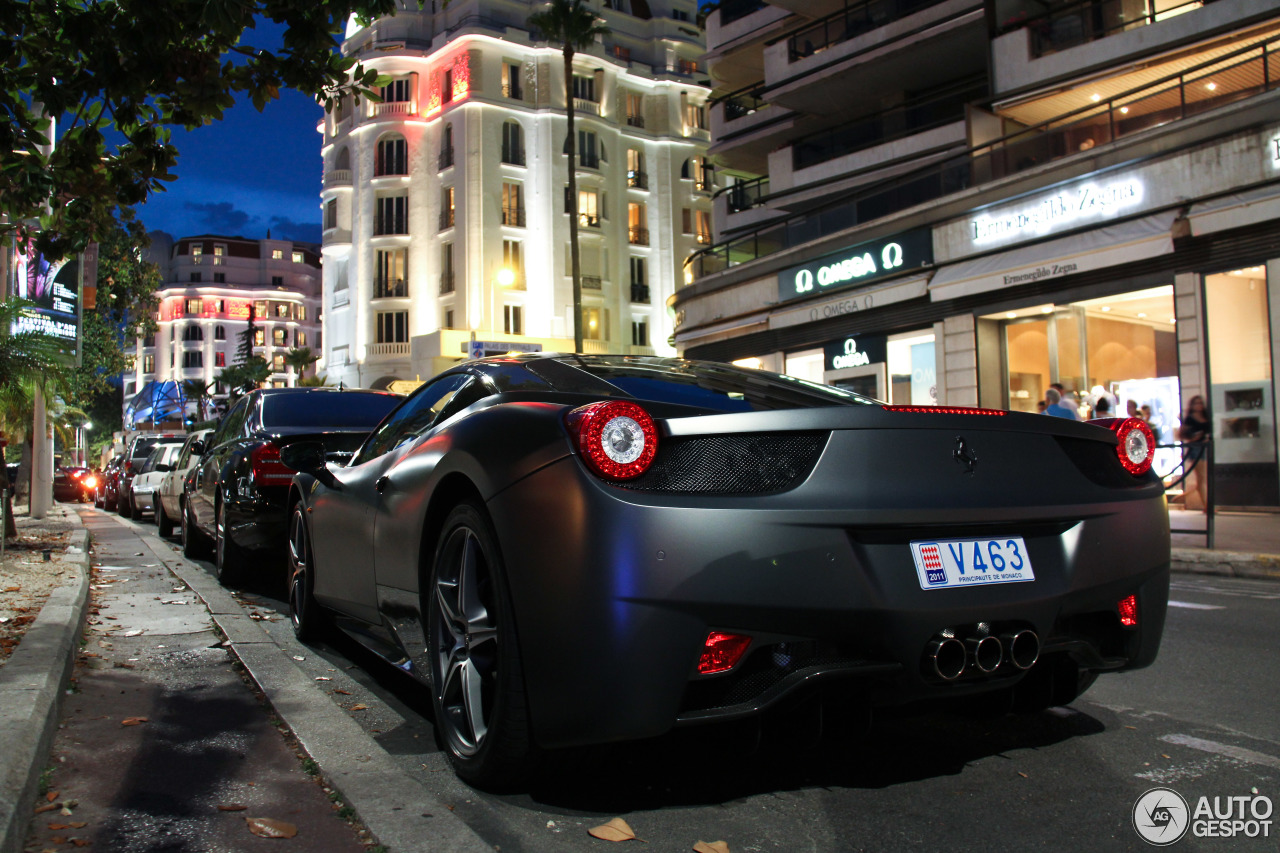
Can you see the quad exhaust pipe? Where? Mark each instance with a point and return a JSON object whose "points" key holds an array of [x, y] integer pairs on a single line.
{"points": [[947, 657]]}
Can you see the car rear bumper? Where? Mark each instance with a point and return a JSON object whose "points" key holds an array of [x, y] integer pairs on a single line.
{"points": [[144, 500], [615, 593]]}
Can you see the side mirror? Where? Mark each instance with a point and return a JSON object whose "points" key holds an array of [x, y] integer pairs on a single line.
{"points": [[197, 448], [164, 467], [307, 457]]}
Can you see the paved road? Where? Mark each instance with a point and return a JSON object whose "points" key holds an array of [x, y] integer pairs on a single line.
{"points": [[1203, 721]]}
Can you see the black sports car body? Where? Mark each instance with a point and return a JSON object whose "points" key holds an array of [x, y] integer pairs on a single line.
{"points": [[579, 549]]}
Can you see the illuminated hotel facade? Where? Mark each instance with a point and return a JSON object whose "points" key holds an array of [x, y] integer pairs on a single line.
{"points": [[445, 204], [959, 202]]}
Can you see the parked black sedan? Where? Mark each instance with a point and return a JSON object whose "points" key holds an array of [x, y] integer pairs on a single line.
{"points": [[578, 549], [235, 494]]}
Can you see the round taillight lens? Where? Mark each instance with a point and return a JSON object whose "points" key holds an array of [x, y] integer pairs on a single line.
{"points": [[1137, 445], [617, 439]]}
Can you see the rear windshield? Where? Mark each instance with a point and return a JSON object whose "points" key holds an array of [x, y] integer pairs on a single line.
{"points": [[326, 409], [705, 385], [143, 448]]}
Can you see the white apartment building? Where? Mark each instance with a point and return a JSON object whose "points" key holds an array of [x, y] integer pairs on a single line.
{"points": [[445, 205], [211, 283]]}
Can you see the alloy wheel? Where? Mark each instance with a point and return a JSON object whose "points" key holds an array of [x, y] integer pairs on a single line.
{"points": [[465, 675], [298, 561]]}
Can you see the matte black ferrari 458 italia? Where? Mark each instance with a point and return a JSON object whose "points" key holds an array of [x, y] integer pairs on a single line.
{"points": [[578, 549]]}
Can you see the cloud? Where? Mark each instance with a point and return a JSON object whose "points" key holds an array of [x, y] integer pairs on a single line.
{"points": [[284, 228], [222, 217]]}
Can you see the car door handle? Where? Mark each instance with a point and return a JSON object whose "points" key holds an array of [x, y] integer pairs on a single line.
{"points": [[380, 485]]}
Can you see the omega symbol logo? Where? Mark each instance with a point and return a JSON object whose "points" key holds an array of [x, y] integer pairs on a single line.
{"points": [[804, 281]]}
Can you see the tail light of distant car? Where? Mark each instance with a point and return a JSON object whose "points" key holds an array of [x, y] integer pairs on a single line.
{"points": [[617, 439], [1137, 447], [266, 467], [1127, 608]]}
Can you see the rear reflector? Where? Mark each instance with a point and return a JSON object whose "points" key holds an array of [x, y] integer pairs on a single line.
{"points": [[1127, 607], [268, 470], [944, 410], [721, 652]]}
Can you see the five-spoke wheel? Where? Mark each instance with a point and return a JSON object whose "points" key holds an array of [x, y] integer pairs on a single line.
{"points": [[304, 613]]}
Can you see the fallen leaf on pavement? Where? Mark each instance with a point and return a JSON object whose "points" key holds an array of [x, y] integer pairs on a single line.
{"points": [[298, 657], [13, 589], [134, 633], [133, 721], [58, 827], [614, 830], [711, 847], [46, 808], [81, 842], [268, 828], [323, 678], [51, 796], [57, 839], [77, 824], [232, 807], [359, 707], [343, 692], [1023, 775]]}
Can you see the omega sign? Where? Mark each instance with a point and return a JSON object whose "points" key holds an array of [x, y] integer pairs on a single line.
{"points": [[855, 351], [858, 265]]}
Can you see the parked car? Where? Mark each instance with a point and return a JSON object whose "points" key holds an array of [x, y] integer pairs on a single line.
{"points": [[235, 495], [73, 483], [149, 477], [170, 497], [108, 490], [136, 454], [679, 542]]}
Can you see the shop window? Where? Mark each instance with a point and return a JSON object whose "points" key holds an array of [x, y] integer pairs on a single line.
{"points": [[913, 378], [805, 365]]}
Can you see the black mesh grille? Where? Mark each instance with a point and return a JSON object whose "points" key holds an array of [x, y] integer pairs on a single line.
{"points": [[748, 464]]}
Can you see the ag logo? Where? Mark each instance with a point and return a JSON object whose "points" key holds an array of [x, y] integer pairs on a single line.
{"points": [[1161, 816]]}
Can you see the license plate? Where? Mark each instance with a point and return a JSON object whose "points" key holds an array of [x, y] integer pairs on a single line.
{"points": [[971, 562]]}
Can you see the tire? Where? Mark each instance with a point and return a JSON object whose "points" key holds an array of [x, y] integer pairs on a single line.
{"points": [[134, 512], [309, 621], [475, 656], [228, 559], [193, 544], [164, 523], [122, 506]]}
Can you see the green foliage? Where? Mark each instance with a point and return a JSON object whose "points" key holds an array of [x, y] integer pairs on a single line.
{"points": [[320, 380], [243, 377], [120, 76], [300, 358]]}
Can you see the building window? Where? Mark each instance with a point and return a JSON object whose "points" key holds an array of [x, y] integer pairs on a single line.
{"points": [[195, 277], [513, 319], [331, 214], [512, 143], [699, 171], [393, 327], [260, 307], [512, 206], [194, 306], [197, 253], [390, 158], [219, 278], [149, 341], [282, 310], [297, 257], [511, 81], [446, 93], [446, 147], [148, 364], [639, 280], [391, 214], [219, 333], [448, 319], [259, 337], [584, 88], [301, 313], [193, 333], [698, 223], [397, 91], [277, 254], [640, 333], [635, 109], [277, 281], [277, 365], [390, 273], [595, 323], [446, 268], [695, 116], [511, 260], [679, 15], [219, 252], [589, 152], [446, 208], [637, 224], [299, 339], [219, 359], [192, 359], [589, 208], [279, 337], [636, 176], [620, 52]]}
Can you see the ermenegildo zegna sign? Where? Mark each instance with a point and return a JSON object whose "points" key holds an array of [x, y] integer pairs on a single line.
{"points": [[858, 264]]}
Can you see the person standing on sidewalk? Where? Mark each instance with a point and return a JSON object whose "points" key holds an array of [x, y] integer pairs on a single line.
{"points": [[1195, 432]]}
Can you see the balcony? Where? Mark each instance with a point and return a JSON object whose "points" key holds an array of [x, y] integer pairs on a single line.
{"points": [[512, 91], [747, 194], [513, 217], [640, 293], [635, 121], [591, 282], [390, 226], [445, 160], [586, 107], [1090, 20], [592, 347], [637, 179], [850, 23], [446, 282], [395, 289], [588, 220], [446, 219], [638, 236], [589, 161], [391, 350], [337, 178], [402, 109]]}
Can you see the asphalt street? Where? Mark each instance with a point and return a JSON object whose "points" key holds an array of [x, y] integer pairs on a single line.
{"points": [[1202, 721]]}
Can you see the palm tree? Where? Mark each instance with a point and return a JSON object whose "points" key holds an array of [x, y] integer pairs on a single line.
{"points": [[300, 358], [197, 391], [576, 27]]}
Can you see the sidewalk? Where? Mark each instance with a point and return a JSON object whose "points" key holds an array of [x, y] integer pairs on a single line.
{"points": [[1246, 544]]}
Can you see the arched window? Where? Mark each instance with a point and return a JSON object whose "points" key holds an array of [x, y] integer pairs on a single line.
{"points": [[219, 333], [512, 143], [343, 160], [392, 156], [193, 333]]}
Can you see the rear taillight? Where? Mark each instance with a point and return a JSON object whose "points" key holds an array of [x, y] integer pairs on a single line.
{"points": [[617, 439], [721, 652], [267, 468], [1127, 607], [944, 410], [1137, 443]]}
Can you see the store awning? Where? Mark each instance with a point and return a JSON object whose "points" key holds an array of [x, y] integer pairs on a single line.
{"points": [[1235, 210], [1094, 249]]}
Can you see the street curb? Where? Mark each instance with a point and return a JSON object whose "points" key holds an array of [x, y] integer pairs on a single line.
{"points": [[353, 763], [1234, 564], [31, 692]]}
